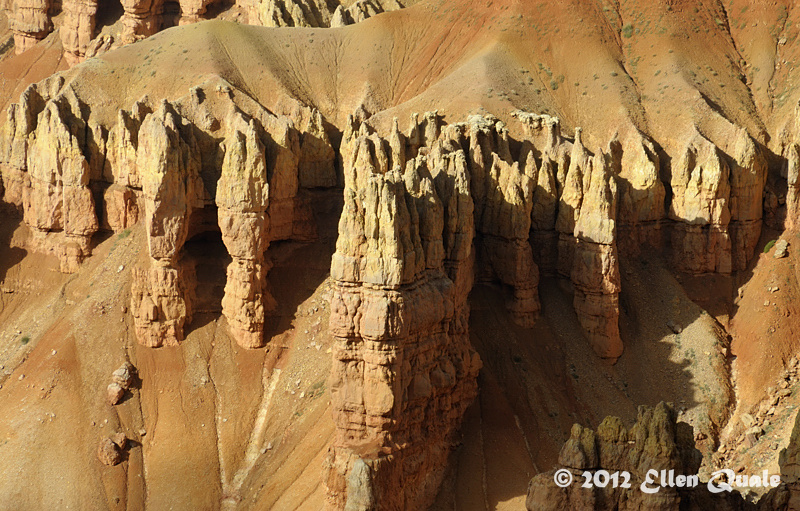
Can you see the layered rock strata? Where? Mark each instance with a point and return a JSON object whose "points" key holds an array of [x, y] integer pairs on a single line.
{"points": [[77, 30], [30, 22], [162, 289], [163, 165], [403, 368], [141, 18], [717, 203], [642, 194]]}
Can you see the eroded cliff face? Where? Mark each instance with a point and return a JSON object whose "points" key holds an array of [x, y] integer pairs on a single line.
{"points": [[167, 166], [403, 371], [426, 213]]}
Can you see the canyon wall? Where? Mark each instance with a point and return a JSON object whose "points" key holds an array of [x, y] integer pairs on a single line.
{"points": [[427, 212], [162, 164]]}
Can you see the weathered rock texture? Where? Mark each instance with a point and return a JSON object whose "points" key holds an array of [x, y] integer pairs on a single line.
{"points": [[47, 173], [77, 30], [403, 371], [168, 157], [718, 205], [142, 18], [164, 164], [655, 442], [318, 13], [30, 22], [595, 269], [256, 198]]}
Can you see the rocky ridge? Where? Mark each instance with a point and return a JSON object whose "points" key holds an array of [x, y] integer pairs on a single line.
{"points": [[33, 20]]}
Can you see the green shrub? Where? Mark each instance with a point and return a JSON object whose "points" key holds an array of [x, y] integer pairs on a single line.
{"points": [[769, 246], [25, 340], [627, 31]]}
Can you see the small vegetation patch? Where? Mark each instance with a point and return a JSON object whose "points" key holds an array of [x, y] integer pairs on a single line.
{"points": [[25, 340], [627, 30], [769, 246]]}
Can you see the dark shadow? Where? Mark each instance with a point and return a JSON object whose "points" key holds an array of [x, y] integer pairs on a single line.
{"points": [[10, 256], [108, 13], [171, 14], [543, 379], [300, 267], [210, 258]]}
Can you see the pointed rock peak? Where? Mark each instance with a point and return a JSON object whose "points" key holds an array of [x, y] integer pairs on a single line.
{"points": [[339, 18], [579, 136], [164, 109], [316, 126], [413, 124]]}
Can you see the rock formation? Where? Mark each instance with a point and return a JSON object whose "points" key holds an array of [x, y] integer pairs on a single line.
{"points": [[33, 20], [161, 301], [641, 194], [595, 268], [30, 22], [243, 199], [700, 205], [77, 30], [360, 10], [748, 179], [503, 191], [403, 370], [142, 18], [48, 175], [655, 442], [793, 187], [318, 13]]}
